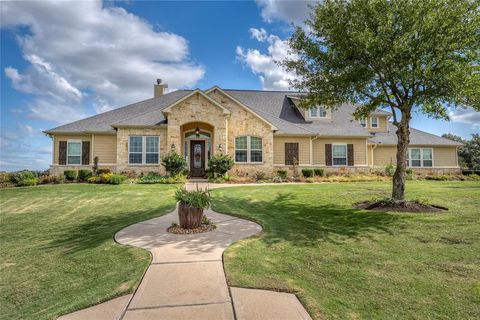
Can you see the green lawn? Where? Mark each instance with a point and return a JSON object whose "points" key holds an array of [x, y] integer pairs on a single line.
{"points": [[345, 263], [57, 249]]}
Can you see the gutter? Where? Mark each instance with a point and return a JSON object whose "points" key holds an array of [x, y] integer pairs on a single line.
{"points": [[311, 147]]}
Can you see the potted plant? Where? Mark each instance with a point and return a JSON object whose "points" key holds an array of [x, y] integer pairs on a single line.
{"points": [[191, 206]]}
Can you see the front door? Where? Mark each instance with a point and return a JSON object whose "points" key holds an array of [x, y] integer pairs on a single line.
{"points": [[197, 158]]}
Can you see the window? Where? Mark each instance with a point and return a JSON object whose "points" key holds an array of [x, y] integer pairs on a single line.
{"points": [[374, 122], [363, 122], [143, 150], [318, 112], [248, 149], [339, 154], [74, 152], [418, 157]]}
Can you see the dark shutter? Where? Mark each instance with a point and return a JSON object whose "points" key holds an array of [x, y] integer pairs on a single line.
{"points": [[291, 152], [350, 154], [328, 154], [85, 152], [62, 152]]}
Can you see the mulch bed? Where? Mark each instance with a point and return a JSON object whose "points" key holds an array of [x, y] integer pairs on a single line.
{"points": [[201, 229], [398, 206]]}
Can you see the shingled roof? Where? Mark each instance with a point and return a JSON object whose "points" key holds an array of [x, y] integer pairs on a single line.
{"points": [[275, 107]]}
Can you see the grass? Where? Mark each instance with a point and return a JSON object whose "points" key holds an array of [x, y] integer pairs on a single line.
{"points": [[57, 249], [345, 263]]}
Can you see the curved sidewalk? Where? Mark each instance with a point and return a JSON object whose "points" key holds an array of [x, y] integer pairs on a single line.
{"points": [[186, 279]]}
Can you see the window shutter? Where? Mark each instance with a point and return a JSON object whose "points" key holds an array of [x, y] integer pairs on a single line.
{"points": [[350, 155], [85, 153], [328, 154], [291, 152], [62, 152]]}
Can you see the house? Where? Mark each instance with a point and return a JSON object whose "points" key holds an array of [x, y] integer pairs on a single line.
{"points": [[262, 131]]}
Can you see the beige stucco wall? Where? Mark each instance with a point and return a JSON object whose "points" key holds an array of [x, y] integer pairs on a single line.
{"points": [[243, 122], [279, 149], [442, 156], [105, 148], [58, 138], [359, 149], [122, 148]]}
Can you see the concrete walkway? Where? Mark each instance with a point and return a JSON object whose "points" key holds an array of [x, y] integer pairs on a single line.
{"points": [[186, 278]]}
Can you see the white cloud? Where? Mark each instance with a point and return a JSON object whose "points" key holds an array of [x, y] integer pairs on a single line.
{"points": [[468, 116], [295, 12], [83, 49], [272, 76]]}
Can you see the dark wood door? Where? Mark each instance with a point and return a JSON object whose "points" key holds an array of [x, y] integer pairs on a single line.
{"points": [[197, 158], [291, 153]]}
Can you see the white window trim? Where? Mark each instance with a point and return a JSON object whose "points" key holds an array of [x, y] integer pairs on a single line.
{"points": [[318, 112], [409, 158], [346, 155], [248, 151], [371, 123], [81, 147], [144, 151]]}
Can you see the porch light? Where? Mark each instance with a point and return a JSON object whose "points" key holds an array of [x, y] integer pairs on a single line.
{"points": [[197, 131], [173, 147], [220, 147]]}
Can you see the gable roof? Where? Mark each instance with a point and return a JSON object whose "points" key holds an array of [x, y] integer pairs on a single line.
{"points": [[417, 137], [274, 107]]}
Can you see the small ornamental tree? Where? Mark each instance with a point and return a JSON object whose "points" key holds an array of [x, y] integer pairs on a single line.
{"points": [[219, 164], [405, 56], [174, 163]]}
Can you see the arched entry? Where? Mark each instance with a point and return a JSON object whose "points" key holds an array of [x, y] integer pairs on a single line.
{"points": [[197, 146]]}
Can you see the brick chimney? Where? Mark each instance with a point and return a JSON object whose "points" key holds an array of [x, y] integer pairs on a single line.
{"points": [[159, 88]]}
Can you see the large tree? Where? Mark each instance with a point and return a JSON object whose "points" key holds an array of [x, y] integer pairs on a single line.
{"points": [[469, 153], [403, 55]]}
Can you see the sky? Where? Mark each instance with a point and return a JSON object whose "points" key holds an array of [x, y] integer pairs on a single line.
{"points": [[63, 61]]}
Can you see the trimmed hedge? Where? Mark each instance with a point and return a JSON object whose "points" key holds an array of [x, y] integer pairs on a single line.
{"points": [[307, 173], [70, 175], [83, 175]]}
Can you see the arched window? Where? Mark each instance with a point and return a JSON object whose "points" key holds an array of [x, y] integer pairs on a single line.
{"points": [[248, 149]]}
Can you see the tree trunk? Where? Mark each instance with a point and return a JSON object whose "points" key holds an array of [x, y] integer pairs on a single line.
{"points": [[189, 217], [403, 137]]}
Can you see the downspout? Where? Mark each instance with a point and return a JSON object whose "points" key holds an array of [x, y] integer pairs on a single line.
{"points": [[373, 159], [311, 148]]}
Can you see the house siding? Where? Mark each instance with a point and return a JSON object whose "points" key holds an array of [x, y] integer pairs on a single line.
{"points": [[58, 138], [359, 150], [382, 124], [442, 156], [105, 148], [303, 149]]}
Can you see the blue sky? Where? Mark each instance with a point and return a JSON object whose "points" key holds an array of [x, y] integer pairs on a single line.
{"points": [[62, 61]]}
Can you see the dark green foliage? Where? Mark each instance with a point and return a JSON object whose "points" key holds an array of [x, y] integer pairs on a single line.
{"points": [[24, 178], [83, 174], [174, 163], [307, 173], [404, 56], [219, 164], [196, 198], [70, 175], [319, 172], [282, 174]]}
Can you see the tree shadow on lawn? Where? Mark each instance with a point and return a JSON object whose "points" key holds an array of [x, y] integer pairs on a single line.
{"points": [[96, 230], [303, 222]]}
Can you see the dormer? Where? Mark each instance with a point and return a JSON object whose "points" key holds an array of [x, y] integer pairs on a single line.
{"points": [[375, 122], [317, 113]]}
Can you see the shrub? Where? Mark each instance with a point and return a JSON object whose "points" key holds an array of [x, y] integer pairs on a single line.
{"points": [[103, 171], [24, 178], [197, 198], [174, 163], [310, 180], [219, 165], [319, 172], [70, 175], [55, 179], [307, 173], [260, 175], [116, 179], [282, 174], [101, 178], [83, 175], [6, 180], [390, 170], [154, 177]]}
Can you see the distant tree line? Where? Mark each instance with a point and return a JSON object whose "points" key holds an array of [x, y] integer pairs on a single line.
{"points": [[469, 153]]}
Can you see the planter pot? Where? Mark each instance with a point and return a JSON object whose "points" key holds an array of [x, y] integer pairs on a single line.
{"points": [[189, 217]]}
